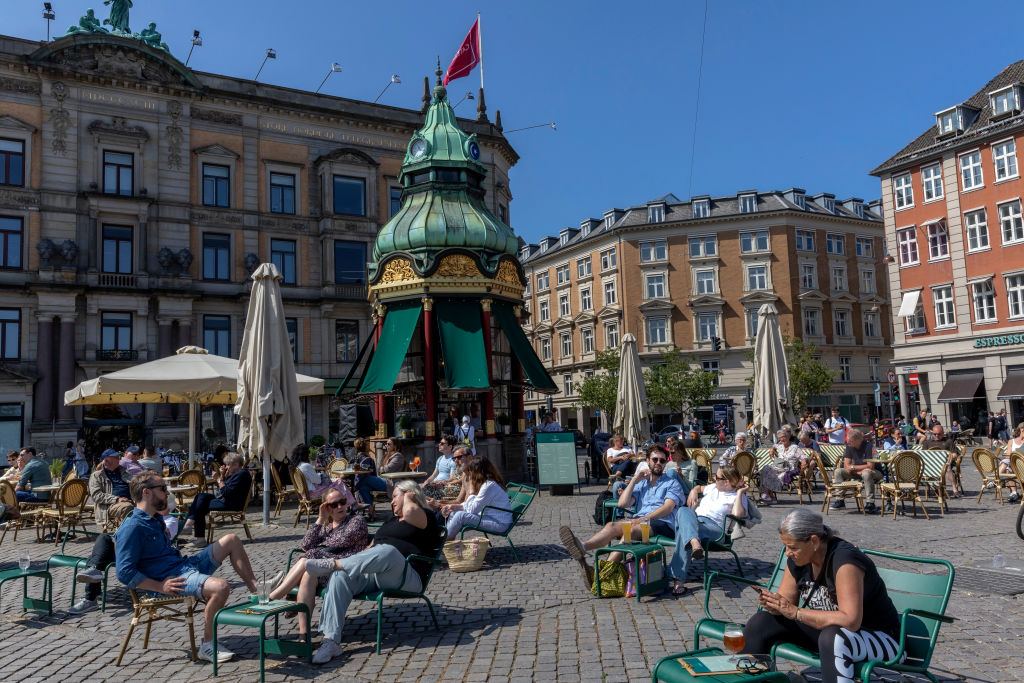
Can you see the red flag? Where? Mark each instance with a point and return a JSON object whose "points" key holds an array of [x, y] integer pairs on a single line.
{"points": [[467, 56]]}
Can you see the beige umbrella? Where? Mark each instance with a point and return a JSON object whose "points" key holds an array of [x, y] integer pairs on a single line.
{"points": [[631, 396], [268, 397], [773, 406], [193, 376]]}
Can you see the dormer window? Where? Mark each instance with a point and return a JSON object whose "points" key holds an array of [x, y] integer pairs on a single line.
{"points": [[858, 208], [701, 208], [543, 246], [563, 238], [951, 121], [748, 203], [524, 254], [799, 199], [585, 227], [656, 213], [1005, 101], [829, 204]]}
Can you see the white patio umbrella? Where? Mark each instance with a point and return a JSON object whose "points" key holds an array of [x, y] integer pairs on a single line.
{"points": [[268, 397], [631, 395], [773, 406], [193, 376]]}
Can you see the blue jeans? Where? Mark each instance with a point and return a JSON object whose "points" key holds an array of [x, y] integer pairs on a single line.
{"points": [[688, 526], [370, 483], [28, 497], [378, 567], [461, 518], [203, 503]]}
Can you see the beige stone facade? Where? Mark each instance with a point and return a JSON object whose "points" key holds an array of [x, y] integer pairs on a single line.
{"points": [[678, 274], [143, 195]]}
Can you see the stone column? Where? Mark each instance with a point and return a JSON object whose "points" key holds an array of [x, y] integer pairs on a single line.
{"points": [[184, 335], [485, 306], [66, 372], [43, 411], [430, 393], [163, 349]]}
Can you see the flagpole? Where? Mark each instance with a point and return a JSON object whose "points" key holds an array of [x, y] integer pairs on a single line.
{"points": [[480, 41]]}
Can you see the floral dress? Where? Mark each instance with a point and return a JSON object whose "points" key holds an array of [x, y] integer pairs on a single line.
{"points": [[322, 542], [773, 478]]}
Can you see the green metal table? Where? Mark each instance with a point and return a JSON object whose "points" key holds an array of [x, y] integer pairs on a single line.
{"points": [[657, 579], [255, 616], [43, 604], [669, 669]]}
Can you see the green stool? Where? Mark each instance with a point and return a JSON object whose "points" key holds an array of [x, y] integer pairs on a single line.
{"points": [[256, 615], [43, 604], [655, 556], [669, 669]]}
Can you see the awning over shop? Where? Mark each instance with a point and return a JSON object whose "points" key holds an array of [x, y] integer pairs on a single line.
{"points": [[462, 344], [521, 347], [1013, 387], [347, 385], [909, 303], [399, 325], [960, 388]]}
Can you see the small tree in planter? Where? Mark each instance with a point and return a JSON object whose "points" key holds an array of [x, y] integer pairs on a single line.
{"points": [[316, 441], [405, 427]]}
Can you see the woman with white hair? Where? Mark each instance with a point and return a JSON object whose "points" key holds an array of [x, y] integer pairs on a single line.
{"points": [[786, 456], [731, 451], [466, 434]]}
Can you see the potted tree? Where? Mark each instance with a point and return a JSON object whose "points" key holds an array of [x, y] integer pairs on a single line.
{"points": [[405, 427]]}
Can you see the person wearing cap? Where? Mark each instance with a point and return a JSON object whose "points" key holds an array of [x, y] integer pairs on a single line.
{"points": [[130, 461]]}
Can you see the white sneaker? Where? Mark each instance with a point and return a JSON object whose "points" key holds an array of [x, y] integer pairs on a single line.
{"points": [[206, 652], [90, 575], [327, 651], [82, 606]]}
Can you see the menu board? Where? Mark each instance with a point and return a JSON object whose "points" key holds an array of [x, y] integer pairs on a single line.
{"points": [[556, 458]]}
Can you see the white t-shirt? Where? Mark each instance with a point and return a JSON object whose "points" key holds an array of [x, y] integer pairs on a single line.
{"points": [[715, 504], [616, 452], [310, 473], [838, 436]]}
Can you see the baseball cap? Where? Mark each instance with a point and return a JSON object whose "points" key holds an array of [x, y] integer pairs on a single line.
{"points": [[109, 452], [132, 449]]}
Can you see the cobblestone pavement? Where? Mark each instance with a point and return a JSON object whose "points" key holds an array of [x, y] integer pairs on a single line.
{"points": [[530, 621]]}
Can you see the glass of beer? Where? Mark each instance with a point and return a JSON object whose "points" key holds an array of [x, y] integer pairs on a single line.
{"points": [[732, 638], [645, 532], [627, 532]]}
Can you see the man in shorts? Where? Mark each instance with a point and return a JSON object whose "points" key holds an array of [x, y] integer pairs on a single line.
{"points": [[147, 561]]}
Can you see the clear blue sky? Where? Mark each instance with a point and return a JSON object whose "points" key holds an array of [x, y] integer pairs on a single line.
{"points": [[812, 94]]}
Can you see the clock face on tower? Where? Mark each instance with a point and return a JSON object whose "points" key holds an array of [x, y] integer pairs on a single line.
{"points": [[418, 148], [474, 151]]}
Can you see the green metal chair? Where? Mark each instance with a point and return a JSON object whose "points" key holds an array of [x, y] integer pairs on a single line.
{"points": [[520, 496], [722, 544], [77, 562]]}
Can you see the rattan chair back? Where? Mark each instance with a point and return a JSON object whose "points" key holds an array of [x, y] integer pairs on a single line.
{"points": [[986, 462], [745, 463], [299, 482], [907, 468], [72, 495], [1017, 466], [7, 495], [192, 478], [337, 466]]}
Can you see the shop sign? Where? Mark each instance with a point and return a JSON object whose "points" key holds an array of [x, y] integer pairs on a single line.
{"points": [[1002, 340]]}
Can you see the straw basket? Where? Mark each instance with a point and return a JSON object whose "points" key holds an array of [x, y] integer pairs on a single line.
{"points": [[466, 555]]}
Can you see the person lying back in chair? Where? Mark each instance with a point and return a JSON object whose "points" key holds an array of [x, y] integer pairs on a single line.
{"points": [[233, 483]]}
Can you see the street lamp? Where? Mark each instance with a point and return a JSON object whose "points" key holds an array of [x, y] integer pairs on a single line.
{"points": [[467, 96], [270, 54], [538, 125], [394, 79], [49, 15], [196, 42], [335, 69]]}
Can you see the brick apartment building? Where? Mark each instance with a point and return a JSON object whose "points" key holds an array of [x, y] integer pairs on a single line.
{"points": [[679, 274], [953, 222]]}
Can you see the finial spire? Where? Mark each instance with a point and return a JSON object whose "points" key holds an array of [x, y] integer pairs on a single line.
{"points": [[481, 108], [438, 72], [426, 95]]}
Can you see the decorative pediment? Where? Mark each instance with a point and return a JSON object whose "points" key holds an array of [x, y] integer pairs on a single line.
{"points": [[585, 317], [872, 299], [656, 305], [543, 329], [609, 312], [110, 56], [844, 297], [11, 123], [707, 300], [758, 297], [348, 155], [812, 295], [563, 322], [8, 374], [215, 150], [118, 128]]}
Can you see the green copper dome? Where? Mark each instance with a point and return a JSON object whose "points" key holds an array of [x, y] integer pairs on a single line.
{"points": [[443, 197]]}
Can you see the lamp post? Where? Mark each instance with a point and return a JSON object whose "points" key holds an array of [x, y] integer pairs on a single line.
{"points": [[467, 96], [537, 125], [270, 54], [335, 69], [196, 42], [394, 79], [49, 15]]}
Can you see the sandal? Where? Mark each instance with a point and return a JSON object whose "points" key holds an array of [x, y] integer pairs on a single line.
{"points": [[679, 589], [697, 554]]}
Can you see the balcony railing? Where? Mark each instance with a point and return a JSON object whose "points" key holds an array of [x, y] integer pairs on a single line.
{"points": [[345, 291], [117, 355], [117, 280]]}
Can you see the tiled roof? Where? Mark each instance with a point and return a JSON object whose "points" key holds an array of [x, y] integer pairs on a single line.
{"points": [[676, 210], [928, 143]]}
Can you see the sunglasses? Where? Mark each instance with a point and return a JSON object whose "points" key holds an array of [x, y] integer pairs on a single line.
{"points": [[658, 460], [162, 487], [458, 457], [717, 478], [337, 504]]}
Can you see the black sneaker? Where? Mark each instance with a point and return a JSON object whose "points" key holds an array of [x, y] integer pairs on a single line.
{"points": [[870, 507], [577, 553], [838, 504]]}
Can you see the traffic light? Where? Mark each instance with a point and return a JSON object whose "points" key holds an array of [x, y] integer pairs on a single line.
{"points": [[895, 395], [716, 344]]}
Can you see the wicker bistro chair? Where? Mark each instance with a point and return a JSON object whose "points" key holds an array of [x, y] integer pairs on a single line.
{"points": [[70, 510], [306, 503], [937, 462], [222, 517], [988, 467], [180, 609], [282, 492], [745, 463], [337, 466], [10, 501], [906, 471], [847, 489], [1017, 467], [196, 481]]}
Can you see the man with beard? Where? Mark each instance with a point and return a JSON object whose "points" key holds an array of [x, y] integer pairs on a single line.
{"points": [[147, 561], [656, 497]]}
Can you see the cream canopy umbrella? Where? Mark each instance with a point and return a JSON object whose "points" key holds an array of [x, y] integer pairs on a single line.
{"points": [[193, 376], [268, 397], [773, 405], [631, 395]]}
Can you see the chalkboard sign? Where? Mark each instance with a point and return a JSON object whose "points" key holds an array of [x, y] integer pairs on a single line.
{"points": [[556, 458]]}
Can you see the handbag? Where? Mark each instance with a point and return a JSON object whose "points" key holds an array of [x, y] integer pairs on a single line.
{"points": [[613, 579]]}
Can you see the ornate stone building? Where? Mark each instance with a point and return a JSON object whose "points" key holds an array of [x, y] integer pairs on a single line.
{"points": [[136, 197]]}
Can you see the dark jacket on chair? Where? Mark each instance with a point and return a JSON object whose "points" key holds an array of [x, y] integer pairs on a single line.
{"points": [[235, 490]]}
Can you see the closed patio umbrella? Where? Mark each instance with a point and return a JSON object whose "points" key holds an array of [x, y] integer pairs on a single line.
{"points": [[268, 396], [631, 395], [773, 406]]}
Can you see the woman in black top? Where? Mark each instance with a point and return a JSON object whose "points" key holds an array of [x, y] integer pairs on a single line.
{"points": [[831, 600]]}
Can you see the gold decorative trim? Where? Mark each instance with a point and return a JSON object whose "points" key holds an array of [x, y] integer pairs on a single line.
{"points": [[489, 427], [522, 425], [397, 270], [429, 428], [457, 265], [382, 430], [428, 305], [507, 272], [485, 304]]}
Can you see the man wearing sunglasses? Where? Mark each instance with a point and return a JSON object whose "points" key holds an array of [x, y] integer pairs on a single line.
{"points": [[147, 561], [655, 496]]}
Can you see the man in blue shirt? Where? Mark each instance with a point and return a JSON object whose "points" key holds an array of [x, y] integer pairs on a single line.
{"points": [[655, 496], [34, 473], [147, 561]]}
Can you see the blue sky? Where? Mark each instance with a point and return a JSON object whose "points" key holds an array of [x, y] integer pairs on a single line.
{"points": [[812, 94]]}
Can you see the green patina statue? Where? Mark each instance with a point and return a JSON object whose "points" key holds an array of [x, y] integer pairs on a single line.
{"points": [[87, 24], [118, 20], [150, 36]]}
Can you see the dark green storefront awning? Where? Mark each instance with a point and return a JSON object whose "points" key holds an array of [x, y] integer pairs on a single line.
{"points": [[399, 325], [532, 367], [462, 343]]}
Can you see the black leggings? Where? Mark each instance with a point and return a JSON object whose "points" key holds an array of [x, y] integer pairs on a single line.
{"points": [[102, 554], [838, 648]]}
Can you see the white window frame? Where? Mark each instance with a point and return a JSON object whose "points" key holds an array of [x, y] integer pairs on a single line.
{"points": [[701, 208], [702, 242], [902, 191], [609, 259], [706, 326], [649, 330], [564, 307], [751, 320], [545, 348], [931, 180], [567, 386], [812, 322], [841, 322], [864, 247], [938, 241], [916, 323], [1010, 216], [873, 368], [748, 203], [586, 299], [562, 274], [804, 240], [543, 281], [972, 175], [1004, 159], [835, 243], [870, 324], [565, 345], [867, 280], [754, 278], [983, 296], [544, 310], [906, 239], [808, 275], [655, 285], [944, 307], [656, 213], [614, 299], [976, 228], [701, 281], [1007, 96], [653, 251], [1015, 295], [583, 267], [754, 241], [611, 335], [845, 369], [839, 280], [587, 339]]}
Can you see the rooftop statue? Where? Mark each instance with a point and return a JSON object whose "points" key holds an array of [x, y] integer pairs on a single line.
{"points": [[119, 15], [150, 36], [87, 24]]}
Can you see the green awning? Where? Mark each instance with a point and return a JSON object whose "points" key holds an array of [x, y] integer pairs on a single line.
{"points": [[399, 325], [532, 367], [462, 344]]}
